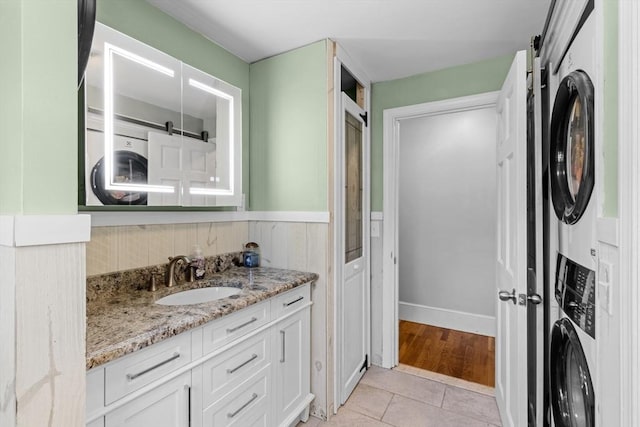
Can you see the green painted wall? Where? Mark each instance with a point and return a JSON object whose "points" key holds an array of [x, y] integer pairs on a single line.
{"points": [[289, 131], [38, 148], [471, 79], [150, 25], [610, 131]]}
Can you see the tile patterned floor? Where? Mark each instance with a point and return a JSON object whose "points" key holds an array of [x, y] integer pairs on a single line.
{"points": [[397, 398]]}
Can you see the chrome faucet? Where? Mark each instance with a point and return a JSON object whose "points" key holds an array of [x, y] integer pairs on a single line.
{"points": [[171, 273]]}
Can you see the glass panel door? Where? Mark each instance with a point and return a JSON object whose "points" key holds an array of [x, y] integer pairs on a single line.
{"points": [[353, 188]]}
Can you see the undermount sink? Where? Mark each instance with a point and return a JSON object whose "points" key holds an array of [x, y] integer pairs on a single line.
{"points": [[197, 296]]}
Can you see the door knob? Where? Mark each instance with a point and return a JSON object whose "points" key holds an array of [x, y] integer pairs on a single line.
{"points": [[506, 296], [534, 299]]}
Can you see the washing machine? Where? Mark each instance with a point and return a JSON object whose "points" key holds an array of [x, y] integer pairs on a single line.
{"points": [[572, 256], [130, 164], [573, 346]]}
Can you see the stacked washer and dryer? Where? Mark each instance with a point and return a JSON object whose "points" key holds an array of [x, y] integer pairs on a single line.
{"points": [[130, 163], [573, 262]]}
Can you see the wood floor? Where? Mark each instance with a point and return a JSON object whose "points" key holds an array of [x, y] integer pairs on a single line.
{"points": [[458, 354]]}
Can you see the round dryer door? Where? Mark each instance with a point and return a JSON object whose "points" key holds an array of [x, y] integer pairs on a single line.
{"points": [[572, 396], [128, 168], [572, 147]]}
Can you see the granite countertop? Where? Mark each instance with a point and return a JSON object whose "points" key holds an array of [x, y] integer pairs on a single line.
{"points": [[123, 321]]}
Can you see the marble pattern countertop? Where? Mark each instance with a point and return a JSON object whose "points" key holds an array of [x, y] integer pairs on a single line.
{"points": [[123, 321]]}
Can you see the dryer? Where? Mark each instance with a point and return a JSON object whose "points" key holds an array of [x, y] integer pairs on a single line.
{"points": [[572, 150], [130, 164]]}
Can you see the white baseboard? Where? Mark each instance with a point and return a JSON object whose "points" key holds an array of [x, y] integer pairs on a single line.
{"points": [[450, 319]]}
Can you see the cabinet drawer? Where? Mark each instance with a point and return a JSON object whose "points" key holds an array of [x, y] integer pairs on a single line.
{"points": [[234, 326], [164, 406], [290, 300], [142, 367], [229, 369], [246, 405]]}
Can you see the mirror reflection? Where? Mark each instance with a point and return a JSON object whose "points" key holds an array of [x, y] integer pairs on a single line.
{"points": [[159, 132]]}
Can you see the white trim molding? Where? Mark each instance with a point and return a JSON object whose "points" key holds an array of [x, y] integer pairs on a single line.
{"points": [[629, 206], [446, 318], [562, 25], [41, 230], [102, 219], [390, 169], [377, 216], [288, 216]]}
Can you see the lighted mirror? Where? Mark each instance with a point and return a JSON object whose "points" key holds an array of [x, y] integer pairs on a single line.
{"points": [[158, 132]]}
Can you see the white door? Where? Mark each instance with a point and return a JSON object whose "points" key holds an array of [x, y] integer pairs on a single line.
{"points": [[164, 166], [199, 171], [536, 310], [511, 265], [353, 291]]}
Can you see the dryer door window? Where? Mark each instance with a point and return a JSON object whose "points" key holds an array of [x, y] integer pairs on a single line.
{"points": [[572, 147], [572, 397], [130, 168]]}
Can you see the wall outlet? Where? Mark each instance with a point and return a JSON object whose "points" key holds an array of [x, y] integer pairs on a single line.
{"points": [[375, 229]]}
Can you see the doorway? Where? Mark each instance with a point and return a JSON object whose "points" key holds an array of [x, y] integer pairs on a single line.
{"points": [[463, 355], [443, 207]]}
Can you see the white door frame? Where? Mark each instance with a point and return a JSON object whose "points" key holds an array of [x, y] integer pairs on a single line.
{"points": [[343, 59], [629, 207], [391, 145]]}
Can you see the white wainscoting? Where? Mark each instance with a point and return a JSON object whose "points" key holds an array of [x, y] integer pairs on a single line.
{"points": [[304, 246], [42, 320], [376, 287], [135, 246], [7, 337], [450, 319]]}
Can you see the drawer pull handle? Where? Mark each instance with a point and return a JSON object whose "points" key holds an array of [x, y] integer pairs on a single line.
{"points": [[132, 377], [253, 319], [253, 357], [282, 334], [287, 304], [254, 396]]}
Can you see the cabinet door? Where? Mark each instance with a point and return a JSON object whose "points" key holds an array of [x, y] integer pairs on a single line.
{"points": [[292, 363], [165, 406]]}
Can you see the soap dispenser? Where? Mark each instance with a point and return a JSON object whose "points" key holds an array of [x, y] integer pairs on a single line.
{"points": [[251, 255], [197, 262]]}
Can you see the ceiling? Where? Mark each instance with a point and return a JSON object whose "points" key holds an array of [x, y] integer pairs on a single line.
{"points": [[389, 39]]}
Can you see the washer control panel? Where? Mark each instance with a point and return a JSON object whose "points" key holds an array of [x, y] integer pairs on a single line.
{"points": [[576, 293]]}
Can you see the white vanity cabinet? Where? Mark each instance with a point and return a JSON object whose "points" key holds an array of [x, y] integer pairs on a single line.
{"points": [[292, 350], [249, 368], [164, 406]]}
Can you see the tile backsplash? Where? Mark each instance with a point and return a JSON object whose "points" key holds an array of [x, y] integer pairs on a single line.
{"points": [[126, 247]]}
